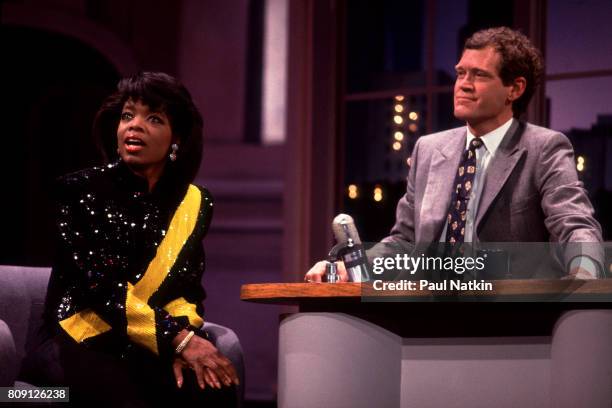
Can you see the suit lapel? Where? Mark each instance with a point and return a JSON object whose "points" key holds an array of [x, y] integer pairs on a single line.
{"points": [[441, 176], [507, 156]]}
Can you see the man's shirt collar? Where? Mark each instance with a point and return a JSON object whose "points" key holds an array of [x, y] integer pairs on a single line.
{"points": [[492, 139]]}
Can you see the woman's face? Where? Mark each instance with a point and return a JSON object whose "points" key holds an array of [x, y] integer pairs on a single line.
{"points": [[143, 137]]}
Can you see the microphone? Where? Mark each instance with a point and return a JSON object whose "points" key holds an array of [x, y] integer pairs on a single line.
{"points": [[352, 254], [344, 228]]}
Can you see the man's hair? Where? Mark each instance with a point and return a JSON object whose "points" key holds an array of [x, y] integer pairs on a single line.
{"points": [[519, 58], [160, 92]]}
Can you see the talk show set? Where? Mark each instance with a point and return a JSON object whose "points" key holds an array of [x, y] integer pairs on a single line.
{"points": [[306, 204]]}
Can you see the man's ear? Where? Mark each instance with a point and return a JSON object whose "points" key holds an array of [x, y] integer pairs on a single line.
{"points": [[517, 88]]}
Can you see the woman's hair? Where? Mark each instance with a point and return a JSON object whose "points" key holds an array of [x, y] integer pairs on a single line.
{"points": [[160, 92]]}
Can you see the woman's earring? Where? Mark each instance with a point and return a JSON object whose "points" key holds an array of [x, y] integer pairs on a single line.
{"points": [[172, 155]]}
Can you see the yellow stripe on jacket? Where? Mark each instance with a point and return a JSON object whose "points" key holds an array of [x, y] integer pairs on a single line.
{"points": [[140, 316]]}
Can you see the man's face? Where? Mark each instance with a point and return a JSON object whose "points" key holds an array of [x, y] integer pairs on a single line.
{"points": [[481, 99]]}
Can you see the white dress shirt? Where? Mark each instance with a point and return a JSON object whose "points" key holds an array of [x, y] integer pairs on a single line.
{"points": [[484, 154]]}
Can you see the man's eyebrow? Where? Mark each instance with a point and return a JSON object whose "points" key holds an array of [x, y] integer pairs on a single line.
{"points": [[483, 71], [474, 70]]}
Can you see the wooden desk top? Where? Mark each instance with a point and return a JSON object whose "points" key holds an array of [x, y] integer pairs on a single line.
{"points": [[504, 290]]}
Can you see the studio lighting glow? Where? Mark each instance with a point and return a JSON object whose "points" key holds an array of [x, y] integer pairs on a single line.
{"points": [[378, 193], [580, 163]]}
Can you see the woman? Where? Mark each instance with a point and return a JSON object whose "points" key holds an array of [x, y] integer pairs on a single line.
{"points": [[123, 310]]}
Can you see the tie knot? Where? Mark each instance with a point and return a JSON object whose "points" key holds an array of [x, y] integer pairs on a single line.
{"points": [[476, 143]]}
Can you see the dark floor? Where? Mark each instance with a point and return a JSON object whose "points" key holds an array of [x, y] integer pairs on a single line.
{"points": [[260, 404]]}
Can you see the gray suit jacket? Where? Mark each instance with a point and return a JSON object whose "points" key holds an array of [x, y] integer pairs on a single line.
{"points": [[531, 192]]}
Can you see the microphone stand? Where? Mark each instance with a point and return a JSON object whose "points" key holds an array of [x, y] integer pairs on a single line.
{"points": [[353, 257], [331, 270]]}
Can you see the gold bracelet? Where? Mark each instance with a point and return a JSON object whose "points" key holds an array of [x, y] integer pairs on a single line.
{"points": [[183, 343]]}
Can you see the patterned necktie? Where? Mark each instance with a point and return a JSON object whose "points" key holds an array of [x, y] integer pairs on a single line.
{"points": [[464, 179]]}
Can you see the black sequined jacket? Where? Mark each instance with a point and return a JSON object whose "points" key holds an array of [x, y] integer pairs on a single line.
{"points": [[109, 228]]}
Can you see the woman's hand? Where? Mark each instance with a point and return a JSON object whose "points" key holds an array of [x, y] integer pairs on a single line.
{"points": [[210, 366], [179, 364]]}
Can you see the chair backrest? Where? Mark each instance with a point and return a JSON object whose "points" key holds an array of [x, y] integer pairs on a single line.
{"points": [[8, 357], [22, 297]]}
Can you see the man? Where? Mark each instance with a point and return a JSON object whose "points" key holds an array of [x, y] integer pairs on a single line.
{"points": [[497, 179]]}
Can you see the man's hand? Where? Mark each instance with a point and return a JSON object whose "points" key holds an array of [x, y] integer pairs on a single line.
{"points": [[316, 273], [579, 273], [210, 366]]}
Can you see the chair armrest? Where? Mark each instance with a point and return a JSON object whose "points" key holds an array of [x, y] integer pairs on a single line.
{"points": [[228, 344], [8, 356]]}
